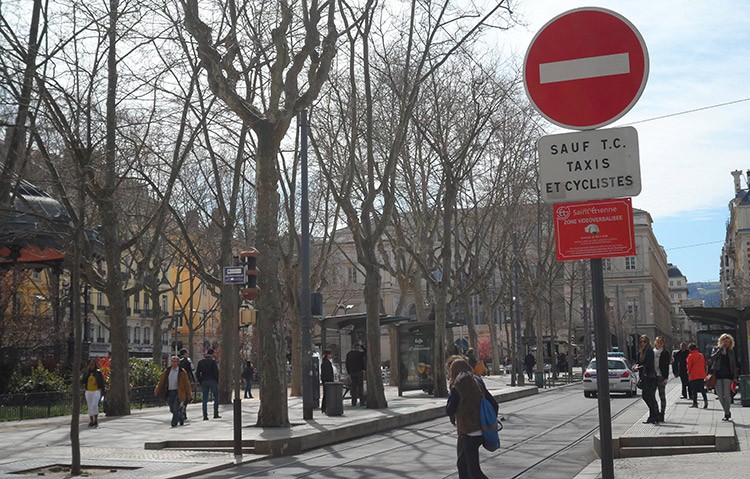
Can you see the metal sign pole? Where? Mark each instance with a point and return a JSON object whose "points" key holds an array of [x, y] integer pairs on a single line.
{"points": [[601, 333], [304, 302]]}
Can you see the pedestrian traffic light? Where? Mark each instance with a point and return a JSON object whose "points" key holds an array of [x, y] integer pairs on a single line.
{"points": [[249, 259]]}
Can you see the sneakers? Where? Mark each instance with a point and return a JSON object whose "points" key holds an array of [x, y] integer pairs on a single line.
{"points": [[205, 418], [216, 416], [695, 404]]}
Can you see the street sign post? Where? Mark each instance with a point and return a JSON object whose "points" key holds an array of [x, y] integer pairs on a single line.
{"points": [[586, 68], [594, 229], [234, 275], [589, 165]]}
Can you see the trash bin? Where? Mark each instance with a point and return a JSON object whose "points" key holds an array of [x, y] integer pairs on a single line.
{"points": [[334, 398], [539, 379], [745, 390]]}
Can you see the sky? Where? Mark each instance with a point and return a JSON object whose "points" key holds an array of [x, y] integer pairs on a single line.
{"points": [[693, 119]]}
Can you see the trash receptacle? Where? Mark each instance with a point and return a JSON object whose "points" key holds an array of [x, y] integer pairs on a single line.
{"points": [[539, 379], [745, 390], [334, 394]]}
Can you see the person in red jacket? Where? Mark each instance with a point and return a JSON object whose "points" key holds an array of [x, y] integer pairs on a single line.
{"points": [[696, 366]]}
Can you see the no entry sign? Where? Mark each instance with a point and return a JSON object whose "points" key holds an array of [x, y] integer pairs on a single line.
{"points": [[594, 229], [586, 68]]}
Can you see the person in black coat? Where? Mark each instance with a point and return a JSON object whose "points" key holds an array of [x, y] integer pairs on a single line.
{"points": [[679, 368], [356, 362], [662, 359], [647, 375], [326, 375]]}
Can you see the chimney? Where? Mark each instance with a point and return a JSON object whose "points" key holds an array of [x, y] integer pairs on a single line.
{"points": [[737, 174]]}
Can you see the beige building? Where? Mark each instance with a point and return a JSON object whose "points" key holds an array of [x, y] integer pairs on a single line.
{"points": [[735, 255], [684, 329]]}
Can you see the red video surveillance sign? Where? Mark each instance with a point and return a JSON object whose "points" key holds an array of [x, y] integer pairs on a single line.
{"points": [[594, 229]]}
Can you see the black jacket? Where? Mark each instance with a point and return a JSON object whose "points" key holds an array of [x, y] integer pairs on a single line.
{"points": [[355, 361], [99, 379], [647, 369], [207, 369], [679, 366], [326, 371], [664, 360], [188, 367]]}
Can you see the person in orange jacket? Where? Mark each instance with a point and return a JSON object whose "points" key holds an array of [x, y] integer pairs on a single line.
{"points": [[696, 366]]}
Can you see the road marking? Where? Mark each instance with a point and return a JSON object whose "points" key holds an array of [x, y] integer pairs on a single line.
{"points": [[581, 68]]}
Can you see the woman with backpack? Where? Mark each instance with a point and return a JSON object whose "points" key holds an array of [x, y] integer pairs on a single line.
{"points": [[466, 393]]}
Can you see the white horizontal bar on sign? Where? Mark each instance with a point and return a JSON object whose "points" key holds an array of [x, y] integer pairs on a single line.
{"points": [[580, 68]]}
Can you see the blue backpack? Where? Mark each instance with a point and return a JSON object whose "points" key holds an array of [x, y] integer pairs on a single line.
{"points": [[490, 431]]}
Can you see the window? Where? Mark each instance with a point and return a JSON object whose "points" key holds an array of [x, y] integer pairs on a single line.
{"points": [[630, 263], [129, 332], [203, 289], [607, 264], [164, 304], [137, 335], [99, 298], [137, 302], [352, 274], [146, 335]]}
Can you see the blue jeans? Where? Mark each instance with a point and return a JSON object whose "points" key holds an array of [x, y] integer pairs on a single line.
{"points": [[206, 386], [173, 401]]}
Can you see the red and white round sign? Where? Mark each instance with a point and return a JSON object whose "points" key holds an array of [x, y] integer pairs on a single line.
{"points": [[586, 68]]}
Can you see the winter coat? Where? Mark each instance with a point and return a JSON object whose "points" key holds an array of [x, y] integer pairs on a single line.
{"points": [[99, 379], [463, 403], [184, 391], [716, 362], [696, 365]]}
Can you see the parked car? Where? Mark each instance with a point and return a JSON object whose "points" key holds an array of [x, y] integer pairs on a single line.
{"points": [[622, 378]]}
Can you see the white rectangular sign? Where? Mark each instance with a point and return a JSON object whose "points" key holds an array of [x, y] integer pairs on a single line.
{"points": [[589, 165]]}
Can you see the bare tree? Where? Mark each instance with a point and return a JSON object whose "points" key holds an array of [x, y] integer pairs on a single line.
{"points": [[277, 49]]}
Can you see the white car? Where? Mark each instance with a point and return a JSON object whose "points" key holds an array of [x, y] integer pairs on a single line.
{"points": [[622, 378]]}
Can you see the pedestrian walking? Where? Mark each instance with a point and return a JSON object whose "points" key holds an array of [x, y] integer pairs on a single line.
{"points": [[647, 376], [174, 388], [93, 382], [466, 393], [248, 372], [528, 364], [355, 366], [679, 368], [724, 367], [326, 375], [662, 360], [187, 365], [207, 374], [696, 366]]}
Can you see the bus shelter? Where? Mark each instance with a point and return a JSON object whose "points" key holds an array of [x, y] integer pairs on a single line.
{"points": [[723, 320]]}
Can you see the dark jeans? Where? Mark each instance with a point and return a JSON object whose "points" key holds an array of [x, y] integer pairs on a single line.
{"points": [[173, 401], [323, 401], [248, 389], [685, 385], [529, 372], [661, 386], [649, 397], [357, 389], [467, 450], [698, 385], [206, 386]]}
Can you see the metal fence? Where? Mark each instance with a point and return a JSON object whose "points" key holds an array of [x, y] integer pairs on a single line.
{"points": [[17, 407]]}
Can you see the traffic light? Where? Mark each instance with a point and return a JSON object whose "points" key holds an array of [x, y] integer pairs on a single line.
{"points": [[249, 259]]}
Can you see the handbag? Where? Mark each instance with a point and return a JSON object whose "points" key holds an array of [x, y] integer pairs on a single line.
{"points": [[490, 429], [639, 384], [710, 381]]}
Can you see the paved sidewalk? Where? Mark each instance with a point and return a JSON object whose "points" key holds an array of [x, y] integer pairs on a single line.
{"points": [[118, 447], [681, 420]]}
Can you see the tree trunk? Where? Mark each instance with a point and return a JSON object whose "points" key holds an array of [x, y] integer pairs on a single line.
{"points": [[273, 411], [375, 391]]}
